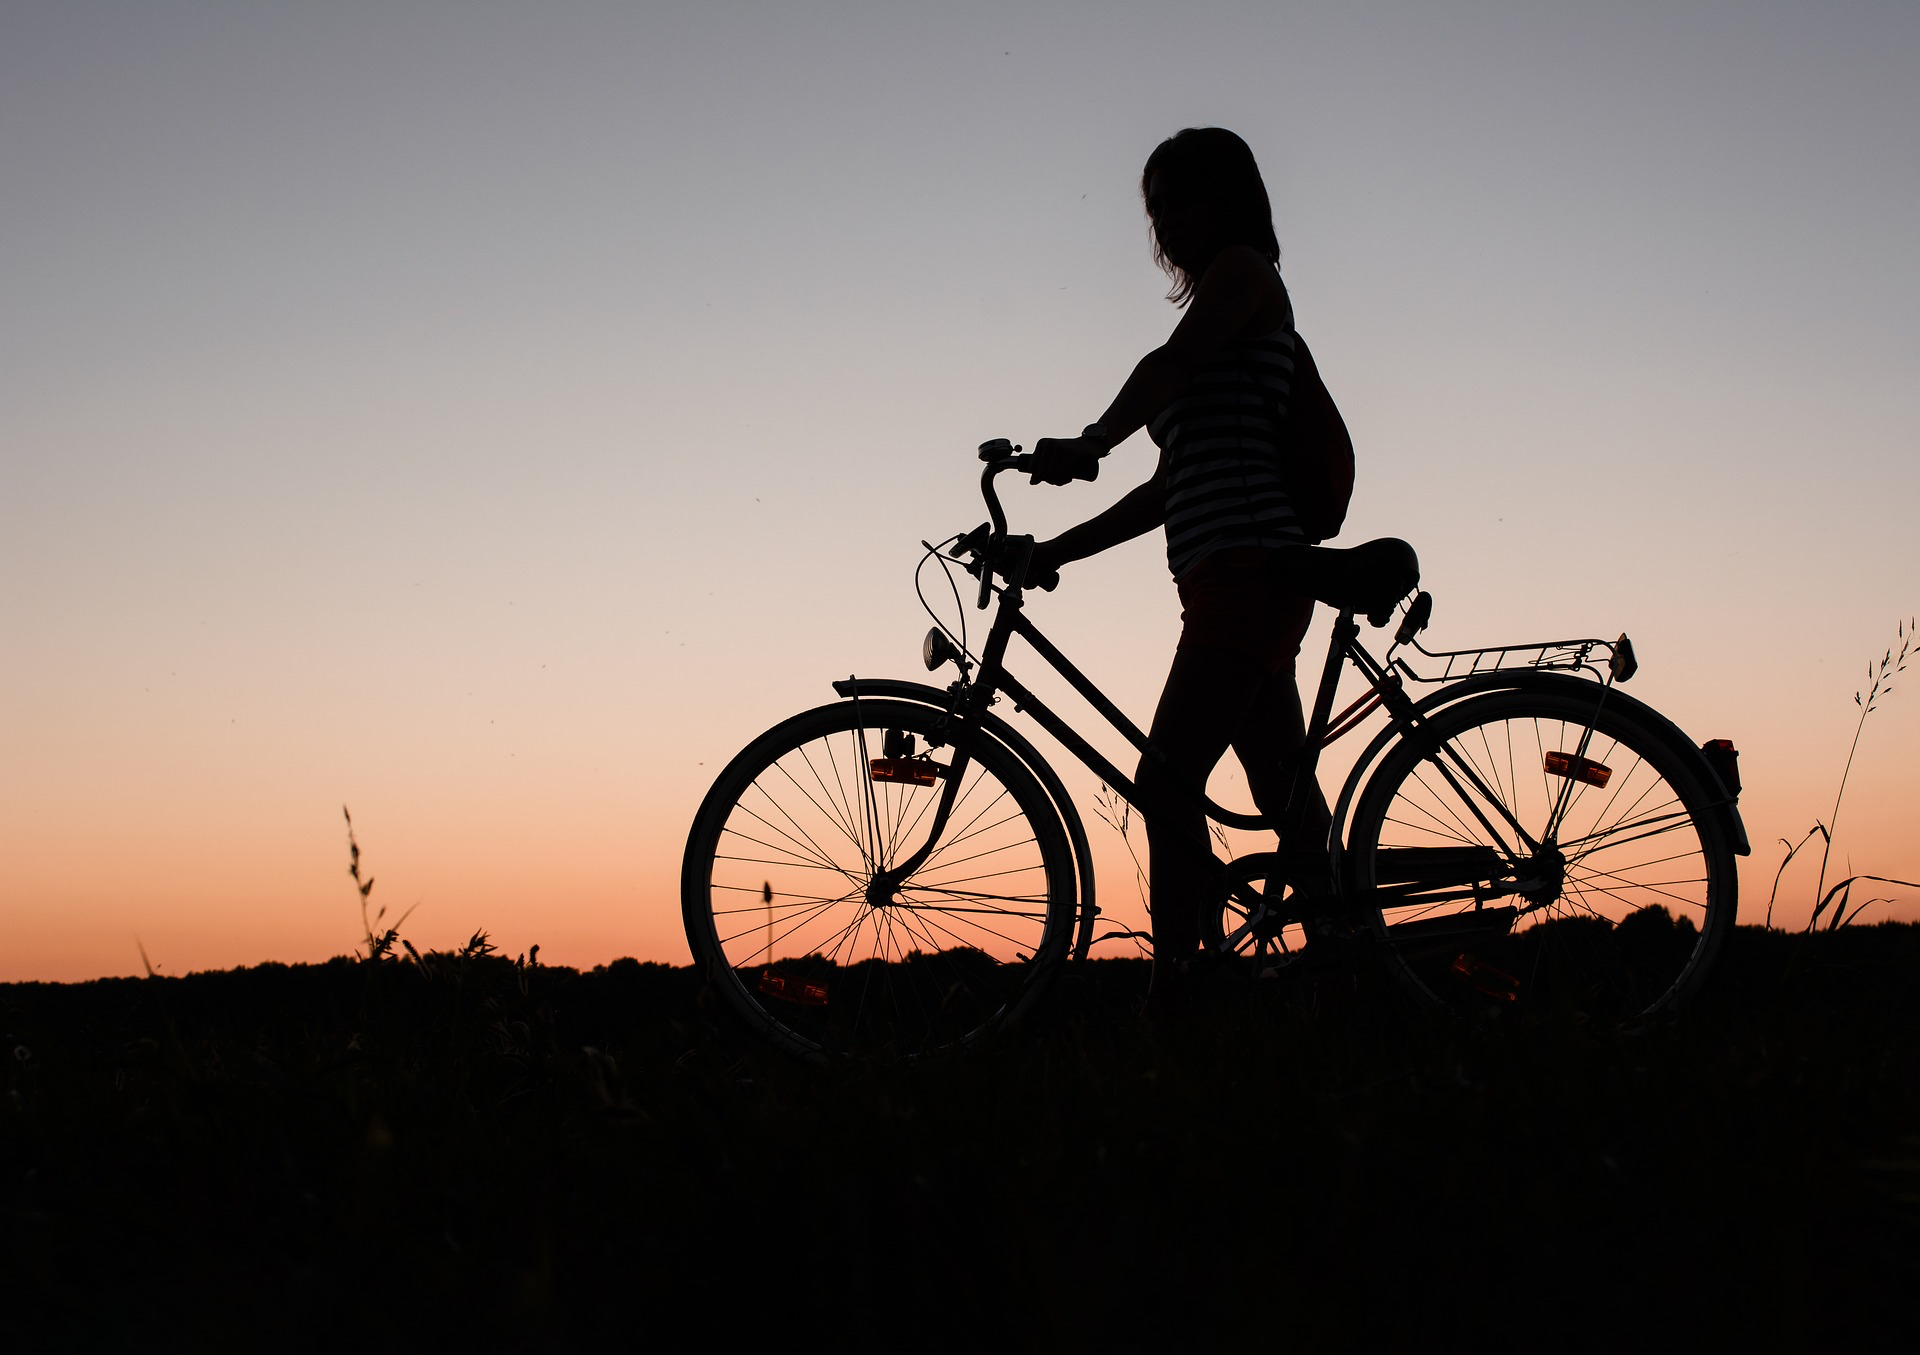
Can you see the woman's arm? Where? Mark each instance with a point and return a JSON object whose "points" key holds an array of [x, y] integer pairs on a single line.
{"points": [[1237, 285], [1136, 513]]}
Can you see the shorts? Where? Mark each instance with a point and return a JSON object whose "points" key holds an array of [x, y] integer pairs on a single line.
{"points": [[1236, 601]]}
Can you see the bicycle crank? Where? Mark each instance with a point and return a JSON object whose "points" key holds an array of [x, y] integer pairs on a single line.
{"points": [[1254, 919]]}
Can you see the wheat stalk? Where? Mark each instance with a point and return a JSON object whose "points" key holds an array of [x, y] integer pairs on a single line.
{"points": [[1879, 686], [379, 947]]}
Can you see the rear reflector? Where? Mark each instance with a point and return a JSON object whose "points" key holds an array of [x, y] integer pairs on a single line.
{"points": [[916, 770], [1724, 758], [1577, 768]]}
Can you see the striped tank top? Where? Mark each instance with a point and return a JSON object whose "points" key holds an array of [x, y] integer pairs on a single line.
{"points": [[1223, 458]]}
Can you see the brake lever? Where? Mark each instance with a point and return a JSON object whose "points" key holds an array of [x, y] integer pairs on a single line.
{"points": [[973, 543], [1018, 553], [987, 558]]}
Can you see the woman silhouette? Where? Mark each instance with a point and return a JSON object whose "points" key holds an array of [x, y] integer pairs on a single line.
{"points": [[1210, 397]]}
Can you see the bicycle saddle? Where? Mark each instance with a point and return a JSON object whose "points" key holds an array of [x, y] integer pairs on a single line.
{"points": [[1370, 577]]}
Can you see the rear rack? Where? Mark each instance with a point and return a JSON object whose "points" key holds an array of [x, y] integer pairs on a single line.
{"points": [[1560, 655]]}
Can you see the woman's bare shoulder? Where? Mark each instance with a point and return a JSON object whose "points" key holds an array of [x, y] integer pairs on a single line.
{"points": [[1239, 295], [1244, 269], [1246, 272], [1237, 262]]}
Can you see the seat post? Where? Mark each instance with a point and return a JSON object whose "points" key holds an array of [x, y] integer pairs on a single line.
{"points": [[1306, 766], [1345, 631]]}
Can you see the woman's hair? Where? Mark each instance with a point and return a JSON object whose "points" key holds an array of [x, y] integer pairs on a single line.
{"points": [[1212, 165]]}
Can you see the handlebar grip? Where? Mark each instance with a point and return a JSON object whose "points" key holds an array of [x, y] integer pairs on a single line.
{"points": [[1081, 468]]}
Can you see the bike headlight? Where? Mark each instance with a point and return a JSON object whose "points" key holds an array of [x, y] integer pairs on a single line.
{"points": [[937, 649]]}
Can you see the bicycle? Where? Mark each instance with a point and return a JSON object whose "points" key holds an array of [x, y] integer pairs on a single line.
{"points": [[901, 871]]}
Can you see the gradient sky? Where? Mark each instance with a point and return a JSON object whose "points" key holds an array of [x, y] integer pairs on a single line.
{"points": [[491, 416]]}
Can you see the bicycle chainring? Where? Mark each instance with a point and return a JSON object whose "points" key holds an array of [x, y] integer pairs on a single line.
{"points": [[1242, 923]]}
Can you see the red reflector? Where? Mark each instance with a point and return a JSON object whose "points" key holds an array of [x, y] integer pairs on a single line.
{"points": [[1724, 758], [1577, 768], [917, 770], [1484, 978], [793, 990]]}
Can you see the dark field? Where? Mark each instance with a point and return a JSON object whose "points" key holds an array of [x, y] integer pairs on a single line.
{"points": [[534, 1158]]}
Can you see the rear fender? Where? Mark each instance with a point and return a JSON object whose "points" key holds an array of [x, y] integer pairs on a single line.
{"points": [[1725, 803]]}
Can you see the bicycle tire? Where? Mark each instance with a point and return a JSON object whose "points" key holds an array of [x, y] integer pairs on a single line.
{"points": [[774, 886], [1615, 909]]}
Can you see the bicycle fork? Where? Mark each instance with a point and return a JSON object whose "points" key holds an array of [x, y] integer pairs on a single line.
{"points": [[884, 880]]}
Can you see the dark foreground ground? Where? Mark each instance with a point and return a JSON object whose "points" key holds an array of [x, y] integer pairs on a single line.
{"points": [[533, 1158]]}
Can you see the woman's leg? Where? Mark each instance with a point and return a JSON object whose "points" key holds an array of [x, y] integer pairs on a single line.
{"points": [[1205, 703], [1267, 741]]}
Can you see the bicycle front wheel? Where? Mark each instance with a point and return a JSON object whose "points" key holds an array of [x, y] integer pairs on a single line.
{"points": [[795, 904], [1509, 856]]}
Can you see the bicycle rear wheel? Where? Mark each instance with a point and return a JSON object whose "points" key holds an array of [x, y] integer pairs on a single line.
{"points": [[1505, 863], [782, 908]]}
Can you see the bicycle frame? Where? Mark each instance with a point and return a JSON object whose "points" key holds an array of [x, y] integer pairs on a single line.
{"points": [[1457, 864], [968, 699]]}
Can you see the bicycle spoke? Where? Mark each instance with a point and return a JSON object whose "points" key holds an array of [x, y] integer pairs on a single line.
{"points": [[804, 840], [966, 829], [1647, 886], [799, 901], [752, 931], [832, 805], [981, 856], [763, 861], [793, 860], [978, 894], [987, 875], [950, 910], [832, 814], [808, 848], [932, 918], [1676, 823]]}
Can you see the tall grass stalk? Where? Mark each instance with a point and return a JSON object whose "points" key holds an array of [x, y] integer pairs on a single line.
{"points": [[1879, 686], [379, 947], [1114, 811]]}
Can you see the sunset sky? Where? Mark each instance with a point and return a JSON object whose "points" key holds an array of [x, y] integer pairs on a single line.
{"points": [[489, 417]]}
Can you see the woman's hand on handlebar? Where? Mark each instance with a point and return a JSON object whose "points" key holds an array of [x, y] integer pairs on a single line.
{"points": [[1061, 460], [1023, 561], [1043, 565], [1047, 557]]}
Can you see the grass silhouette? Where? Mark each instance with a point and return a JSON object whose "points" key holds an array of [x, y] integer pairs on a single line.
{"points": [[1833, 904], [491, 1150], [379, 946], [401, 1149]]}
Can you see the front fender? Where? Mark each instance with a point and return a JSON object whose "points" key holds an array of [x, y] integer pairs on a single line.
{"points": [[929, 695]]}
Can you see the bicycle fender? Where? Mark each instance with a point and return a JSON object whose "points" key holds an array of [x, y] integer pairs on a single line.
{"points": [[1022, 748], [1529, 680], [1709, 777], [1726, 804]]}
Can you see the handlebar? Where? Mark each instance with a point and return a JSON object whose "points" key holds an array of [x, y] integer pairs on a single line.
{"points": [[999, 552]]}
